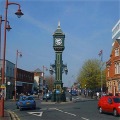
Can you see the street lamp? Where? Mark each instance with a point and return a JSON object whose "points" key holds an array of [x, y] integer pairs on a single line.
{"points": [[2, 100], [19, 14], [8, 85], [43, 75], [8, 29], [20, 54], [52, 69], [101, 55]]}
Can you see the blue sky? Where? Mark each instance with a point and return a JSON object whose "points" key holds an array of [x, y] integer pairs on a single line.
{"points": [[87, 25]]}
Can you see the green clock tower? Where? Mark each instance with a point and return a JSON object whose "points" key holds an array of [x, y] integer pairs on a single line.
{"points": [[58, 67]]}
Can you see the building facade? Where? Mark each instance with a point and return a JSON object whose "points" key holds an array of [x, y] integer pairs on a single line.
{"points": [[113, 69], [24, 81], [113, 64], [9, 78], [38, 80]]}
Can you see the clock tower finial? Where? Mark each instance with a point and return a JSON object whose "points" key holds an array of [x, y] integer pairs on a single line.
{"points": [[58, 31], [58, 23]]}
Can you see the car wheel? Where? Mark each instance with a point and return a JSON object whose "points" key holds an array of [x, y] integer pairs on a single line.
{"points": [[115, 112], [100, 110]]}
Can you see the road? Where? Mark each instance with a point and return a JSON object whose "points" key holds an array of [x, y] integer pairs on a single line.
{"points": [[85, 109]]}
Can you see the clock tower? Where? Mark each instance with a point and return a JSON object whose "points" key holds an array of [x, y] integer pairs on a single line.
{"points": [[58, 67]]}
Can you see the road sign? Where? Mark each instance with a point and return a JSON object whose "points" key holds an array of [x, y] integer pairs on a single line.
{"points": [[2, 86]]}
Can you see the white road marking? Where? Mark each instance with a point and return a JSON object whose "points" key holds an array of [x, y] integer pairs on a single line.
{"points": [[36, 113], [64, 112], [84, 118]]}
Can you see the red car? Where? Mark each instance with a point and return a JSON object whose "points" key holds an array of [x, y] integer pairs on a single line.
{"points": [[109, 104]]}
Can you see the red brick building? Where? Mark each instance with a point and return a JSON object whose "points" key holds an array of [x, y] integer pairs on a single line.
{"points": [[25, 81], [113, 69]]}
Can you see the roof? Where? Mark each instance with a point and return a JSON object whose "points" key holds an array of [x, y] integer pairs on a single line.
{"points": [[37, 70], [118, 40], [58, 31]]}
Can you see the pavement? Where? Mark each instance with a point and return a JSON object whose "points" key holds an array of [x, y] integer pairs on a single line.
{"points": [[9, 115]]}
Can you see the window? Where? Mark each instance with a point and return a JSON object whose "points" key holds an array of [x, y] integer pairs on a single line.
{"points": [[7, 69], [108, 72], [116, 52], [117, 68], [109, 100], [119, 86]]}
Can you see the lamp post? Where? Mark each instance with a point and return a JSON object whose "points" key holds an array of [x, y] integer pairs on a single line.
{"points": [[18, 13], [101, 55], [20, 54], [43, 70], [44, 83], [2, 101], [8, 85]]}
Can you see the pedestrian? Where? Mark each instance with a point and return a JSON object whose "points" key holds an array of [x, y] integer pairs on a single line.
{"points": [[97, 95], [85, 93], [91, 94], [41, 97]]}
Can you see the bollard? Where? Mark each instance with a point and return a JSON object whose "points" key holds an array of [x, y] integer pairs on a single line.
{"points": [[2, 107]]}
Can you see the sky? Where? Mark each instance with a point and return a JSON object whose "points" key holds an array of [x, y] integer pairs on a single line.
{"points": [[87, 25]]}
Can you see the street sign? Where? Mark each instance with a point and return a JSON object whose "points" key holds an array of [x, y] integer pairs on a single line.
{"points": [[3, 86]]}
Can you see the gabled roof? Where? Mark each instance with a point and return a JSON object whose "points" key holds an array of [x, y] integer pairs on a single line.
{"points": [[113, 45], [37, 70], [118, 41]]}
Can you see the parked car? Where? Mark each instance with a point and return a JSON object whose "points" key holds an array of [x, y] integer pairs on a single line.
{"points": [[74, 93], [109, 104], [26, 102]]}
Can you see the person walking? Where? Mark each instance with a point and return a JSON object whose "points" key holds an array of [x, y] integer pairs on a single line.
{"points": [[97, 95], [85, 93]]}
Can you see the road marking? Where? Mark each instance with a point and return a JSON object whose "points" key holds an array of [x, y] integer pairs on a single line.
{"points": [[13, 115], [84, 118], [64, 112], [36, 113]]}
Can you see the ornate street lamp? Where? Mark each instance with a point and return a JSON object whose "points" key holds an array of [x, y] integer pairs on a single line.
{"points": [[19, 13]]}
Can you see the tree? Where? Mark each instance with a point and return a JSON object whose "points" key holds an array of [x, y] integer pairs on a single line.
{"points": [[90, 74], [49, 82]]}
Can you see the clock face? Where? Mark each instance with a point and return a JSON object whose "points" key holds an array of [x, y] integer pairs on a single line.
{"points": [[58, 41]]}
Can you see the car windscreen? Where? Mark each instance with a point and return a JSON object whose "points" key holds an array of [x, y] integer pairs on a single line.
{"points": [[116, 100], [28, 98]]}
